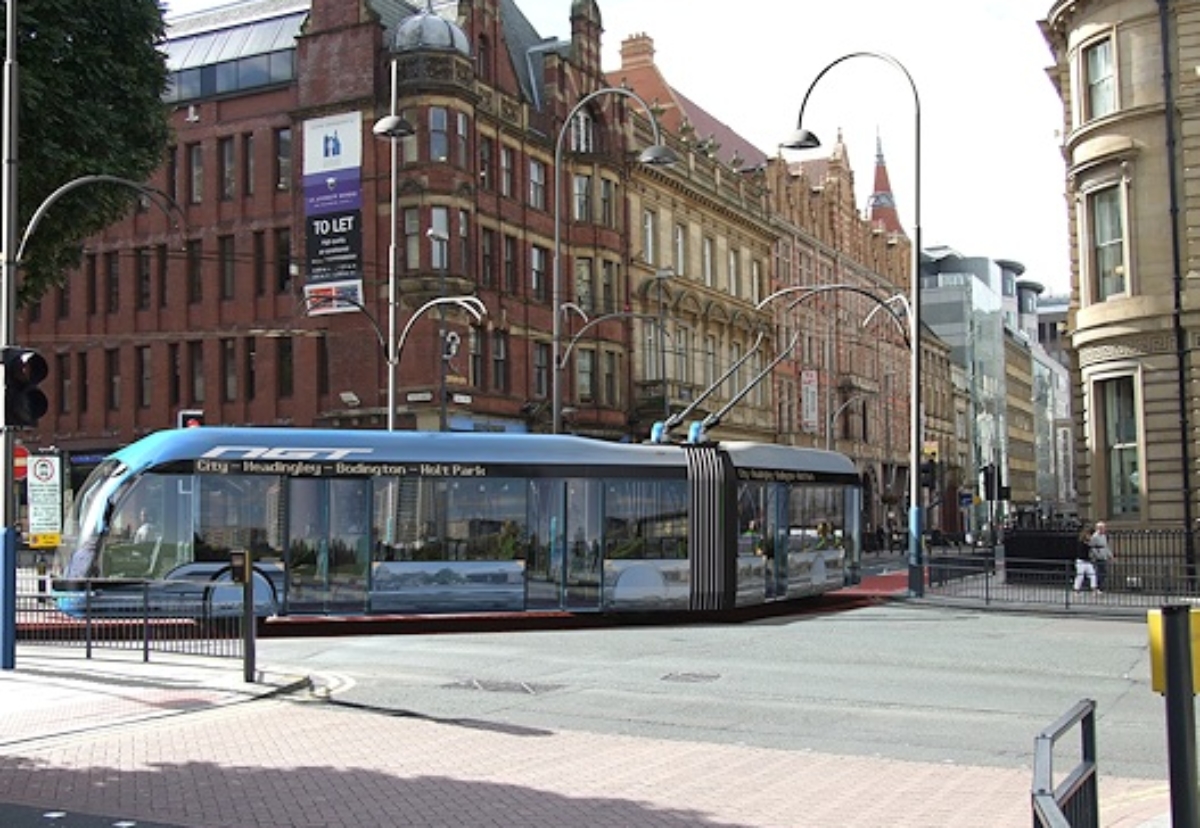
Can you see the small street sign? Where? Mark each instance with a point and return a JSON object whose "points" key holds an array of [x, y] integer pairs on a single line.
{"points": [[44, 489], [20, 462]]}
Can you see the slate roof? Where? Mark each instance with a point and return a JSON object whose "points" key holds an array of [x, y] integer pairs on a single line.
{"points": [[240, 13], [527, 49]]}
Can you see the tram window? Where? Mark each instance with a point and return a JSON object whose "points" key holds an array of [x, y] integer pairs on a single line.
{"points": [[395, 518], [545, 505], [450, 519], [816, 517], [486, 519], [349, 542], [752, 514], [237, 512], [645, 519], [408, 519]]}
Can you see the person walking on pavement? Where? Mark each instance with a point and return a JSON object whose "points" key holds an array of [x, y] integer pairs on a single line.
{"points": [[1084, 568], [1100, 554]]}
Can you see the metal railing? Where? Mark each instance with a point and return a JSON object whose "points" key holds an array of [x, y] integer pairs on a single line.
{"points": [[1021, 581], [1147, 570], [1072, 801], [141, 618]]}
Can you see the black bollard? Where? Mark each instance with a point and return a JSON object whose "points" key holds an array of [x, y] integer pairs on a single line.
{"points": [[1181, 714]]}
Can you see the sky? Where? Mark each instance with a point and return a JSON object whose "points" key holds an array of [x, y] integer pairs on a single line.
{"points": [[991, 170]]}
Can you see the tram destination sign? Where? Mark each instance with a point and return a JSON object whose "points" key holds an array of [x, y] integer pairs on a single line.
{"points": [[776, 475], [322, 463]]}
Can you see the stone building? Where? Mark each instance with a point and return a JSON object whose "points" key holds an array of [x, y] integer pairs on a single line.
{"points": [[1126, 74]]}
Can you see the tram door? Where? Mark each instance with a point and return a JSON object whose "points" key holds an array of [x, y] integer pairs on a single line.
{"points": [[763, 532], [565, 565], [328, 545], [779, 541], [582, 539]]}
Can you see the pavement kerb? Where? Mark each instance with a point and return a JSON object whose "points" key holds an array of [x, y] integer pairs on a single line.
{"points": [[163, 672], [283, 684]]}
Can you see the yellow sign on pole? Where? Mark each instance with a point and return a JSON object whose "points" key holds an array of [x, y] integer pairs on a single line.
{"points": [[931, 450], [1158, 664], [45, 540]]}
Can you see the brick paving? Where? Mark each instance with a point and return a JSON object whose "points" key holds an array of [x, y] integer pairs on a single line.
{"points": [[185, 742]]}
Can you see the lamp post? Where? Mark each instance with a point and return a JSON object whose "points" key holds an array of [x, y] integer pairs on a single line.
{"points": [[392, 128], [8, 289], [657, 155], [442, 239], [14, 254], [803, 139]]}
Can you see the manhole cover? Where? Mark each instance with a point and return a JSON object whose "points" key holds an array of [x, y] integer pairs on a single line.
{"points": [[494, 686], [691, 678]]}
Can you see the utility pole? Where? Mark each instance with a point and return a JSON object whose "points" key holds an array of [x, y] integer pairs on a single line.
{"points": [[8, 287]]}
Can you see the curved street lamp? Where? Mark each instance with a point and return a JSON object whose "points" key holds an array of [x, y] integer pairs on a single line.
{"points": [[473, 305], [321, 300], [803, 139], [592, 322], [160, 199], [656, 155], [833, 415], [805, 292], [880, 304], [13, 254]]}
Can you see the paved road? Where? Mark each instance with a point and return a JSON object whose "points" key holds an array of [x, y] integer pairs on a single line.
{"points": [[896, 681], [893, 715]]}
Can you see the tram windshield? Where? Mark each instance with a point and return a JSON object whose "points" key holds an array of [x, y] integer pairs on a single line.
{"points": [[148, 527], [91, 507]]}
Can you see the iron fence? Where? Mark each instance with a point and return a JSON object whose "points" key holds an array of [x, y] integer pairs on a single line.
{"points": [[139, 619], [1149, 568]]}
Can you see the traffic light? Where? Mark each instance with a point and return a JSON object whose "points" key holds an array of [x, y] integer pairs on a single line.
{"points": [[24, 402], [190, 418], [929, 475], [991, 481]]}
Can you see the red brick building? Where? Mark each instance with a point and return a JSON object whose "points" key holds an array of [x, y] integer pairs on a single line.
{"points": [[286, 194], [269, 302]]}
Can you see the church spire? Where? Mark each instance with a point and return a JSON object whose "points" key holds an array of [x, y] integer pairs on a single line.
{"points": [[882, 204]]}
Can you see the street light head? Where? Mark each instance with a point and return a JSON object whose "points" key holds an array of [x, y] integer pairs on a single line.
{"points": [[801, 139], [392, 128], [658, 155]]}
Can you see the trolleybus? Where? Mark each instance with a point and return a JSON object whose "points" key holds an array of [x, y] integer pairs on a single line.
{"points": [[354, 522]]}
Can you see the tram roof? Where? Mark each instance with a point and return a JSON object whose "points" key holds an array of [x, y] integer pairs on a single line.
{"points": [[770, 456], [174, 445], [397, 446]]}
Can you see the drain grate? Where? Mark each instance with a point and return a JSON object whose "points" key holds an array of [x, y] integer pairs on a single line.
{"points": [[495, 686], [691, 678]]}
